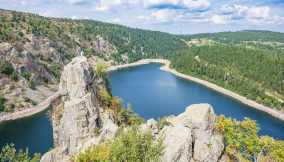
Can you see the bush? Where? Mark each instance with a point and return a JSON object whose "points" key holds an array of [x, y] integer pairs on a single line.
{"points": [[162, 123], [55, 70], [26, 75], [242, 141], [105, 96], [100, 70], [2, 101], [272, 150], [123, 116], [127, 116], [6, 67], [129, 146], [14, 76], [32, 84], [10, 154]]}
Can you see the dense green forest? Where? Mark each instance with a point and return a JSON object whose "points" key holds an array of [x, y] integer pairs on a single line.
{"points": [[251, 72], [241, 36], [248, 62], [68, 34]]}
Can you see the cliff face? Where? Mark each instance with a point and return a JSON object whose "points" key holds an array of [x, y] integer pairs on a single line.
{"points": [[79, 118], [80, 121]]}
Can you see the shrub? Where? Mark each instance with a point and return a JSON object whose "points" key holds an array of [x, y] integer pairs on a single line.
{"points": [[10, 154], [26, 75], [130, 145], [2, 101], [14, 76], [100, 70], [6, 67], [55, 70], [271, 150], [32, 84], [162, 123], [240, 137], [105, 96], [127, 116]]}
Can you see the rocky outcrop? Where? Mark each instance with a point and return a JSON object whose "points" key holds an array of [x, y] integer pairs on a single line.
{"points": [[80, 121], [76, 126], [190, 136]]}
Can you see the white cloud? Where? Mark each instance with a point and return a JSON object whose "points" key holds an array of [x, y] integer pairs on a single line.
{"points": [[148, 3], [256, 13], [75, 1], [74, 17], [104, 5], [116, 20], [188, 4], [165, 15], [196, 4], [252, 14], [101, 8], [218, 19]]}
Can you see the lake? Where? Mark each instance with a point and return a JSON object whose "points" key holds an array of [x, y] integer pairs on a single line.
{"points": [[153, 94]]}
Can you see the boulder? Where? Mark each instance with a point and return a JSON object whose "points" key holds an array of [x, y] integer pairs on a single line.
{"points": [[178, 144], [191, 136]]}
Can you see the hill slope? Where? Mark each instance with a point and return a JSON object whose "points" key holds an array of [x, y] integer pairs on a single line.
{"points": [[33, 50]]}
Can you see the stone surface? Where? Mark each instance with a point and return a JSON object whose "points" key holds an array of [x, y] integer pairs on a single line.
{"points": [[81, 117], [178, 144], [81, 122], [191, 137]]}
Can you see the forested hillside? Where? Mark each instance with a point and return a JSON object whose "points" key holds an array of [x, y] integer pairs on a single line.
{"points": [[250, 63], [241, 36], [33, 50]]}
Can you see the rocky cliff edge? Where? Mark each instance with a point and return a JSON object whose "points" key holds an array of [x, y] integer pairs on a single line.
{"points": [[188, 137]]}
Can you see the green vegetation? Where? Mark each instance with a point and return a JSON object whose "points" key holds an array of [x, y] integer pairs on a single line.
{"points": [[55, 69], [123, 116], [135, 43], [9, 154], [242, 141], [250, 63], [2, 102], [162, 123], [126, 116], [6, 68], [130, 145], [100, 70], [105, 96], [241, 36], [249, 72], [14, 76], [247, 62], [26, 75]]}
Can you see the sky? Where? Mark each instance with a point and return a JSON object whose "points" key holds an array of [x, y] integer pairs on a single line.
{"points": [[173, 16]]}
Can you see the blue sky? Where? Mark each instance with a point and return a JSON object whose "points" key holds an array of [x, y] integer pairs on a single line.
{"points": [[174, 16]]}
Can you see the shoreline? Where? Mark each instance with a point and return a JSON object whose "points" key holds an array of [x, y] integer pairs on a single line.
{"points": [[166, 67], [44, 105]]}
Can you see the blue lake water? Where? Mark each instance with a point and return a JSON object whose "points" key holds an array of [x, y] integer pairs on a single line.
{"points": [[34, 133], [153, 94]]}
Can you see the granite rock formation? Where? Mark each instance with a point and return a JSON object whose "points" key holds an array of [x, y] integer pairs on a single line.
{"points": [[188, 137], [77, 120]]}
